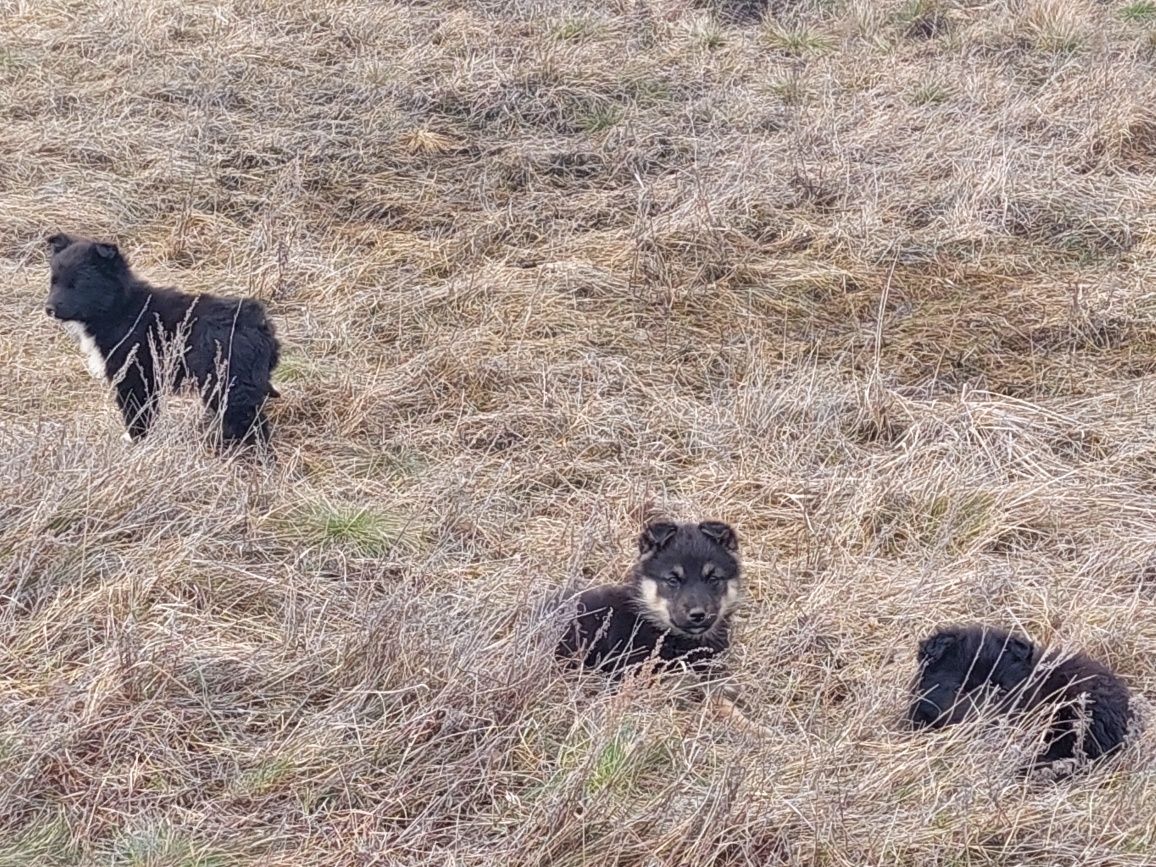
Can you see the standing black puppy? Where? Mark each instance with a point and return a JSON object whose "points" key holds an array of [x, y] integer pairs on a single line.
{"points": [[134, 334], [678, 600], [965, 667]]}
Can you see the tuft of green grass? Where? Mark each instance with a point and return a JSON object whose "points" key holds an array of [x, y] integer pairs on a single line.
{"points": [[620, 763], [1055, 27], [922, 19], [790, 90], [940, 521], [1060, 42], [575, 30], [796, 40], [598, 115], [1139, 12], [296, 367], [164, 846], [47, 842], [267, 777], [649, 91], [931, 93], [360, 530], [709, 35]]}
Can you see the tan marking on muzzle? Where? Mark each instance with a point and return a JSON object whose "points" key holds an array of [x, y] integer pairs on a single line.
{"points": [[731, 599], [655, 604]]}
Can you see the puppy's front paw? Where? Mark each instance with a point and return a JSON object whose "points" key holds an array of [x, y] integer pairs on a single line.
{"points": [[727, 710]]}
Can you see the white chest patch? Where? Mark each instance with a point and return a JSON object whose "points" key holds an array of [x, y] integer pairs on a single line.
{"points": [[93, 360]]}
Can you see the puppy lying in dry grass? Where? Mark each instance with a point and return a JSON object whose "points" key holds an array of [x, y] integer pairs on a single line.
{"points": [[964, 668], [673, 612]]}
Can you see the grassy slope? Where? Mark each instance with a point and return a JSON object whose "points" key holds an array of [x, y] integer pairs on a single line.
{"points": [[873, 281]]}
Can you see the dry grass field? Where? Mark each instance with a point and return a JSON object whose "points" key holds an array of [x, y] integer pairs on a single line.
{"points": [[872, 280]]}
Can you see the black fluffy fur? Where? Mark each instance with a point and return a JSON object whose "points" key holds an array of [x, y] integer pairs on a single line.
{"points": [[965, 667], [686, 616], [133, 325]]}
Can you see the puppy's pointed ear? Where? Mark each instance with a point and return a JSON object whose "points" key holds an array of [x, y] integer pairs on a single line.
{"points": [[59, 241], [107, 251], [933, 649], [656, 536], [721, 533]]}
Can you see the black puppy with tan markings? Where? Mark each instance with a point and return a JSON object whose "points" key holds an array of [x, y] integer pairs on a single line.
{"points": [[674, 609], [966, 668]]}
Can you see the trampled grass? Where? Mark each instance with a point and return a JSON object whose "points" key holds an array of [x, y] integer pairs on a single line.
{"points": [[872, 281]]}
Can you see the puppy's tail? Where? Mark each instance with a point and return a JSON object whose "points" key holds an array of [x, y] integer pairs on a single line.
{"points": [[552, 618], [557, 605]]}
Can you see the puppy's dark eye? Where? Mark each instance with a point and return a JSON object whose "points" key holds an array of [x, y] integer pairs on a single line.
{"points": [[672, 579], [712, 575]]}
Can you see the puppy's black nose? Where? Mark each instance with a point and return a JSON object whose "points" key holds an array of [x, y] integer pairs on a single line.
{"points": [[49, 309], [696, 615]]}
